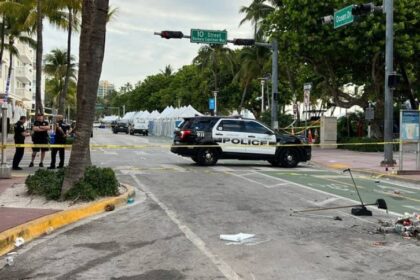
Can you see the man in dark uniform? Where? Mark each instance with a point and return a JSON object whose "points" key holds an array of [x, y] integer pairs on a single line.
{"points": [[20, 135], [39, 136], [60, 139]]}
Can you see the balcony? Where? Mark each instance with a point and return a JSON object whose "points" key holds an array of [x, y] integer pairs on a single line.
{"points": [[26, 53], [24, 74], [24, 94]]}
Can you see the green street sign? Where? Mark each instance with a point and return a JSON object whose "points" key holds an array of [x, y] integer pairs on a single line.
{"points": [[208, 36], [99, 107], [343, 17]]}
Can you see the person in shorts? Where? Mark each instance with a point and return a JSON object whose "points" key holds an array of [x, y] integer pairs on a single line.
{"points": [[39, 136]]}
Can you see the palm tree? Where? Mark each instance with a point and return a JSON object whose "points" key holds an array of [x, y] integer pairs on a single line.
{"points": [[72, 23], [92, 41], [253, 61], [13, 27], [255, 13], [57, 67], [214, 57]]}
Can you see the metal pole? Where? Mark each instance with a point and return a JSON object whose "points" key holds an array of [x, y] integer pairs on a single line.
{"points": [[4, 169], [215, 102], [262, 96], [389, 56], [275, 85]]}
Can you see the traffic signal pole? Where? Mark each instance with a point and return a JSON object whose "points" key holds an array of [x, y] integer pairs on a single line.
{"points": [[389, 68], [169, 34]]}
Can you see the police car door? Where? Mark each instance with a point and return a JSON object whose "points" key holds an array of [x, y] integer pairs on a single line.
{"points": [[229, 134], [262, 139]]}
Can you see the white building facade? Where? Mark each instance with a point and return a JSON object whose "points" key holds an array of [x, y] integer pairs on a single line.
{"points": [[22, 82]]}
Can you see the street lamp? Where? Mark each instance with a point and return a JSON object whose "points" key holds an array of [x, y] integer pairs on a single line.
{"points": [[262, 94], [215, 102]]}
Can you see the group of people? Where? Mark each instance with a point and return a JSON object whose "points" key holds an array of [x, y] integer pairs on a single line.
{"points": [[40, 135]]}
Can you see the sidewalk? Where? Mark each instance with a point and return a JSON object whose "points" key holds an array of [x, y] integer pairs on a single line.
{"points": [[366, 163]]}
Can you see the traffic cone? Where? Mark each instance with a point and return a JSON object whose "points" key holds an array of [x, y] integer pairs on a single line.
{"points": [[310, 136]]}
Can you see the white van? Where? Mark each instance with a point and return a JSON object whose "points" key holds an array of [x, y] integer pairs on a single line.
{"points": [[140, 126]]}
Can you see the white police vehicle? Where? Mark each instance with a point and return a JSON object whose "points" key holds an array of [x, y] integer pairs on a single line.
{"points": [[207, 139]]}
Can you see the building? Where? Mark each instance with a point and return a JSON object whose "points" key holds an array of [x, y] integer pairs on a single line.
{"points": [[105, 88], [22, 82]]}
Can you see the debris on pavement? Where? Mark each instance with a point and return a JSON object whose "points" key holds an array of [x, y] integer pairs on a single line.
{"points": [[10, 258], [236, 237], [408, 226], [19, 241], [338, 218]]}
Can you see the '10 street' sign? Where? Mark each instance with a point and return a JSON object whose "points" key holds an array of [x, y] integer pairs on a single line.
{"points": [[208, 36], [343, 17]]}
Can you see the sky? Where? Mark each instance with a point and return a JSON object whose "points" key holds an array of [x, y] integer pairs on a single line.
{"points": [[132, 51]]}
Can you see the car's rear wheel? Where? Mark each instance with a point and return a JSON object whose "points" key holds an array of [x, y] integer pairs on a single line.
{"points": [[207, 157], [289, 158]]}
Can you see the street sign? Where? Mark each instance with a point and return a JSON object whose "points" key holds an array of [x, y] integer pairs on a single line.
{"points": [[369, 114], [410, 125], [343, 17], [212, 103], [99, 107], [208, 36]]}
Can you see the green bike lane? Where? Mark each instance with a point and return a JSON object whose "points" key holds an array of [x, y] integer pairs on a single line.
{"points": [[400, 197]]}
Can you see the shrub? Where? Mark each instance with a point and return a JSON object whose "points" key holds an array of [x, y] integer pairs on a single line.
{"points": [[45, 183], [96, 182]]}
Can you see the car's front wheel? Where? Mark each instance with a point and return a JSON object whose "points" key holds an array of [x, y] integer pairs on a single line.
{"points": [[289, 158], [206, 157]]}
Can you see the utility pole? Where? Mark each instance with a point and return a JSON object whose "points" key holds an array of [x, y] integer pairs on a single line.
{"points": [[275, 85], [5, 171], [389, 69], [215, 102]]}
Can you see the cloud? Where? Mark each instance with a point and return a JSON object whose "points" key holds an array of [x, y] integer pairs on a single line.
{"points": [[133, 52]]}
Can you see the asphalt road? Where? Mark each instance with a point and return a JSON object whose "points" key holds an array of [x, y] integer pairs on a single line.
{"points": [[172, 232]]}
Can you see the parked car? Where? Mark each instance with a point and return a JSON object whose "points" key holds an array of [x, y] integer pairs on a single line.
{"points": [[121, 126], [207, 139], [140, 126]]}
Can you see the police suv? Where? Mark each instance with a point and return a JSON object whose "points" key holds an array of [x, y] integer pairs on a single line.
{"points": [[207, 139]]}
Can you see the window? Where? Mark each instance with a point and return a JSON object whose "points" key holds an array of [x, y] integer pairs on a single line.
{"points": [[231, 125], [254, 127]]}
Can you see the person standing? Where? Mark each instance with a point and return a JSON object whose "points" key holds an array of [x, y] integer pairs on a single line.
{"points": [[40, 136], [20, 135], [60, 139]]}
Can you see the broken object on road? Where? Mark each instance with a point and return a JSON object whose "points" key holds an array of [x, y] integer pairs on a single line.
{"points": [[408, 226], [236, 237]]}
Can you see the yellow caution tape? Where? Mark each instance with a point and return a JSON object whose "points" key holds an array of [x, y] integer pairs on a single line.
{"points": [[111, 146]]}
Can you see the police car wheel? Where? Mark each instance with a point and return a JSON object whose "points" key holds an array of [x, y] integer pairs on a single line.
{"points": [[289, 158], [207, 157]]}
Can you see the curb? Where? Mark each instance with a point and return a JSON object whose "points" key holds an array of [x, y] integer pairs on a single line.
{"points": [[46, 224], [369, 173]]}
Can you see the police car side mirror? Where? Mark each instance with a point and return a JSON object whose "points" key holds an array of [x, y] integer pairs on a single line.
{"points": [[269, 132]]}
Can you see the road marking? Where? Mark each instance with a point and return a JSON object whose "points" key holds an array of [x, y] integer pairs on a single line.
{"points": [[223, 267]]}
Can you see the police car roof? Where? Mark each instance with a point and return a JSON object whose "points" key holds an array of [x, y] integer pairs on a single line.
{"points": [[218, 117]]}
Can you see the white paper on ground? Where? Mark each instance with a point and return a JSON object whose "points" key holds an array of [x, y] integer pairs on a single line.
{"points": [[236, 237]]}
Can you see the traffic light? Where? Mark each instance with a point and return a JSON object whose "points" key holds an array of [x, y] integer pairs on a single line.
{"points": [[362, 9], [172, 34], [244, 42]]}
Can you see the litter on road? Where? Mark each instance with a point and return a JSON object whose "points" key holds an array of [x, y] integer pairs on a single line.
{"points": [[408, 226], [236, 237]]}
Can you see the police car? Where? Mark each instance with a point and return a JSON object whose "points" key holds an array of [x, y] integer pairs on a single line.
{"points": [[207, 139]]}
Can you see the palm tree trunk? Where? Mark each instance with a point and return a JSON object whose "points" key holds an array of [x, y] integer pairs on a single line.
{"points": [[9, 73], [243, 98], [63, 93], [2, 36], [39, 108], [92, 49]]}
